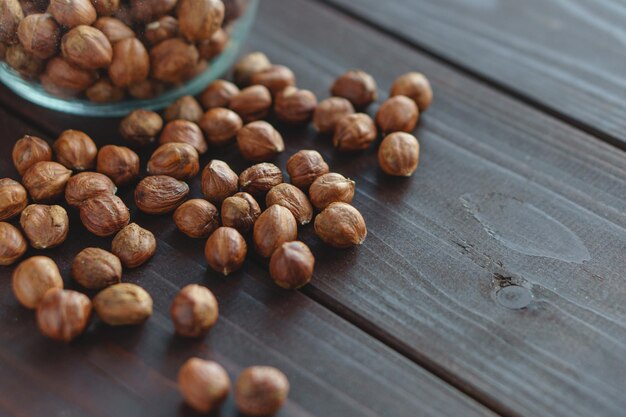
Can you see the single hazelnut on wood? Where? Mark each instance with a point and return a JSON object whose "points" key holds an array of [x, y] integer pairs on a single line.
{"points": [[291, 265], [45, 181], [95, 268], [119, 163], [218, 94], [114, 29], [306, 166], [293, 199], [328, 113], [357, 86], [397, 114], [210, 48], [45, 226], [184, 131], [63, 315], [203, 384], [27, 65], [260, 178], [185, 108], [173, 60], [178, 160], [330, 188], [261, 391], [76, 150], [160, 194], [218, 181], [11, 15], [194, 311], [197, 218], [259, 141], [276, 78], [13, 198], [240, 212], [415, 86], [295, 106], [248, 65], [130, 64], [340, 225], [141, 127], [39, 34], [220, 125], [12, 244], [200, 19], [159, 30], [354, 132], [104, 215], [252, 103], [62, 78], [29, 150], [85, 185], [71, 13], [225, 250], [134, 245], [103, 91], [106, 7], [399, 154], [123, 305], [33, 277], [275, 226], [87, 47]]}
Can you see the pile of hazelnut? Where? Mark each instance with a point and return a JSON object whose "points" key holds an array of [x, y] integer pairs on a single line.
{"points": [[107, 50], [255, 207]]}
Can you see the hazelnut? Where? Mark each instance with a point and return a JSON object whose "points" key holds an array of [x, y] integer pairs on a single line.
{"points": [[197, 218], [13, 198], [260, 178], [87, 47], [114, 29], [63, 314], [141, 127], [399, 154], [397, 114], [162, 29], [178, 160], [356, 86], [259, 141], [240, 212], [146, 89], [123, 304], [148, 10], [354, 132], [11, 15], [185, 108], [130, 64], [233, 9], [218, 94], [119, 163], [184, 131], [64, 79], [103, 91], [81, 187], [46, 180], [331, 188], [104, 215], [160, 194], [173, 60], [248, 65], [134, 245], [45, 226], [415, 86], [340, 225], [71, 13], [275, 226], [29, 150], [295, 106], [261, 391], [75, 150], [214, 46], [252, 103], [292, 198], [33, 6], [276, 78], [27, 65], [33, 277], [225, 250], [218, 181], [39, 34], [12, 244], [306, 166], [200, 19], [328, 113], [291, 265], [194, 311], [106, 7], [203, 384], [95, 268], [220, 125]]}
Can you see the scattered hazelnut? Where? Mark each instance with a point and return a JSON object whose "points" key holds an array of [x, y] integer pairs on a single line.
{"points": [[214, 46], [162, 29], [415, 86], [261, 391], [27, 65], [160, 194], [134, 245], [275, 226], [220, 125], [114, 29], [340, 225], [354, 132], [13, 198], [248, 65], [104, 215], [39, 34], [11, 15], [293, 199], [12, 244], [106, 7], [130, 64], [119, 163], [173, 60], [46, 180], [178, 160], [218, 94], [276, 78], [95, 268], [63, 314], [185, 108], [203, 384], [252, 103], [75, 150], [306, 166], [218, 181], [194, 311], [81, 187], [45, 226], [33, 277], [399, 154], [240, 212], [259, 141], [225, 250], [64, 79], [328, 113], [29, 150], [197, 218], [294, 105], [356, 86], [123, 304], [71, 13], [200, 19], [291, 265], [330, 188], [87, 47], [184, 131], [141, 127], [103, 91], [260, 178], [397, 114]]}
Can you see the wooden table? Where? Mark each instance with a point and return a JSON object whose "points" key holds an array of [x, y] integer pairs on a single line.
{"points": [[491, 283]]}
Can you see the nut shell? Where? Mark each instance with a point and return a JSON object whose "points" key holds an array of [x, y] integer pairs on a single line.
{"points": [[81, 187], [45, 226], [293, 199], [64, 79], [87, 47], [259, 141], [13, 198], [173, 60], [252, 103], [340, 225], [398, 154], [203, 384], [240, 212], [95, 268], [197, 218], [328, 113], [260, 178], [178, 160], [130, 64], [218, 94], [214, 46], [276, 78], [397, 114], [225, 250], [295, 106], [185, 108], [103, 91], [11, 15], [275, 226], [12, 244], [291, 265], [200, 19], [415, 86], [63, 315], [261, 391], [104, 215], [183, 131], [306, 166], [330, 188], [33, 277], [354, 132], [218, 181], [141, 127], [75, 150], [134, 245], [220, 125], [248, 65], [39, 34], [160, 194], [114, 29], [29, 150], [194, 311], [356, 86], [123, 304], [119, 163], [70, 13], [162, 29], [26, 64], [46, 180]]}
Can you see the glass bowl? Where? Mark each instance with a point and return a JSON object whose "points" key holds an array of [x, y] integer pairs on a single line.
{"points": [[32, 90]]}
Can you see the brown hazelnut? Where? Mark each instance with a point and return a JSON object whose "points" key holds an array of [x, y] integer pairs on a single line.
{"points": [[203, 384], [95, 268], [276, 78], [148, 10], [197, 218], [71, 13], [291, 265], [119, 163], [33, 277], [397, 114], [185, 108], [45, 226], [173, 60], [114, 29], [259, 141], [252, 103], [123, 305], [162, 29], [330, 188], [356, 86], [220, 125], [328, 113], [415, 86], [399, 154], [340, 225], [75, 150], [87, 47], [233, 9], [33, 6], [306, 166], [292, 198], [248, 65], [184, 131], [240, 212], [103, 91], [27, 65], [141, 127], [29, 150], [13, 198], [104, 215], [11, 15], [63, 315], [275, 226], [160, 194], [106, 7], [12, 244], [261, 391], [218, 181], [134, 245], [194, 311], [354, 132], [130, 64], [39, 34], [178, 160], [214, 46], [199, 19], [294, 105], [81, 187], [46, 180], [225, 250], [61, 78], [260, 178], [218, 94]]}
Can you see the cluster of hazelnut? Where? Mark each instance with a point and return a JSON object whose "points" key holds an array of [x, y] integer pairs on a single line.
{"points": [[108, 49]]}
